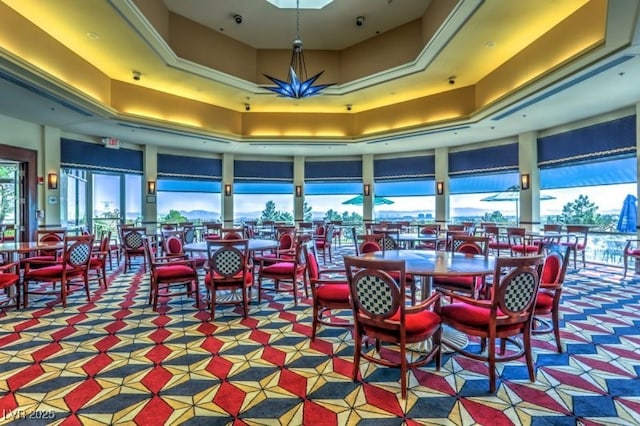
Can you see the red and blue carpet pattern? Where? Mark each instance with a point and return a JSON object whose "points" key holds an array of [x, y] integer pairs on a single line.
{"points": [[115, 361]]}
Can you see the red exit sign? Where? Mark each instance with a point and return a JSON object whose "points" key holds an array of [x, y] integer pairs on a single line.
{"points": [[111, 143]]}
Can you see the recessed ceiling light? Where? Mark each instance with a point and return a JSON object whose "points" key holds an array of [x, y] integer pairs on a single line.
{"points": [[490, 44], [93, 36]]}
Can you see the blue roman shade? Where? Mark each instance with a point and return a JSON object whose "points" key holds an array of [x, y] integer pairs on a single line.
{"points": [[493, 159], [607, 171], [263, 171], [611, 139], [91, 156], [183, 167], [404, 169], [478, 184], [333, 171]]}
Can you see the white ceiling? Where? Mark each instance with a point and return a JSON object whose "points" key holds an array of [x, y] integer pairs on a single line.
{"points": [[605, 87]]}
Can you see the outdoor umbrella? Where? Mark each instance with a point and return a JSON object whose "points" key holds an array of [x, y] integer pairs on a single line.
{"points": [[359, 200], [628, 215], [512, 194]]}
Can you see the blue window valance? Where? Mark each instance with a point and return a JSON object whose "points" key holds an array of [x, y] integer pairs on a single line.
{"points": [[86, 155], [613, 138], [404, 169], [183, 167], [263, 171], [333, 171], [500, 158]]}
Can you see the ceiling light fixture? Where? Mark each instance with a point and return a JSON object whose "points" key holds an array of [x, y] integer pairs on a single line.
{"points": [[297, 85]]}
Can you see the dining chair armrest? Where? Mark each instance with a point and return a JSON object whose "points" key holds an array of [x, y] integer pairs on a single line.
{"points": [[328, 282], [431, 301], [9, 266], [171, 258], [550, 286], [456, 297], [325, 271], [176, 261], [271, 260]]}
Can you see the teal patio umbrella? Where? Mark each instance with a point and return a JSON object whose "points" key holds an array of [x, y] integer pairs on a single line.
{"points": [[359, 200], [513, 194]]}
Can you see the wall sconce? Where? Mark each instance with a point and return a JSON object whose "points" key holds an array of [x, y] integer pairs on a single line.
{"points": [[151, 187], [52, 181], [524, 181], [298, 190], [367, 189], [227, 189], [440, 187]]}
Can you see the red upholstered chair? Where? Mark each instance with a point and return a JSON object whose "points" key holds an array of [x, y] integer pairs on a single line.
{"points": [[579, 242], [329, 294], [550, 292], [132, 247], [9, 284], [169, 272], [212, 231], [519, 244], [465, 284], [380, 314], [497, 240], [506, 317], [232, 233], [228, 269], [70, 270], [431, 230], [323, 242], [289, 269], [455, 227], [631, 252], [47, 255], [337, 231], [173, 246], [98, 262]]}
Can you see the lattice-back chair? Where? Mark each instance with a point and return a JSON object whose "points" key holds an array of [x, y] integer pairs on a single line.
{"points": [[505, 317], [391, 239], [70, 270], [330, 293], [229, 270], [552, 277], [473, 286], [170, 272], [380, 313], [290, 269], [132, 247], [578, 243]]}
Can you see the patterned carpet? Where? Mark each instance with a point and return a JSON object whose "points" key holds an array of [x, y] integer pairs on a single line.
{"points": [[115, 361]]}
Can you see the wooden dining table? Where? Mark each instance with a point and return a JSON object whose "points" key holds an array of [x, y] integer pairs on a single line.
{"points": [[255, 244], [429, 263], [17, 248]]}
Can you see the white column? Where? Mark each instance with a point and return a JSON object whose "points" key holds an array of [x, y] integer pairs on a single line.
{"points": [[150, 166], [367, 179], [442, 175], [529, 213], [227, 179], [298, 180]]}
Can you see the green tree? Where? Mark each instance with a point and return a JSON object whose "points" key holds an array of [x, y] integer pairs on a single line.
{"points": [[306, 212], [494, 216], [580, 211], [174, 216], [7, 191], [271, 213]]}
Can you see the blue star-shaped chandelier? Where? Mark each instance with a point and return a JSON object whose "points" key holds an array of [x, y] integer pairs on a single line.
{"points": [[297, 85]]}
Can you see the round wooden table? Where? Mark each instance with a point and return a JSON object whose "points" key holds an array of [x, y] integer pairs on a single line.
{"points": [[428, 263]]}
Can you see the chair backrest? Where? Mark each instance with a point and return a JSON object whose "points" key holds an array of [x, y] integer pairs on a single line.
{"points": [[516, 235], [455, 227], [131, 237], [50, 236], [390, 239], [105, 241], [228, 259], [555, 265], [212, 229], [286, 240], [376, 296], [581, 233], [232, 233], [284, 230], [311, 259], [516, 282], [470, 244], [77, 251], [173, 242], [430, 229], [552, 227], [370, 246]]}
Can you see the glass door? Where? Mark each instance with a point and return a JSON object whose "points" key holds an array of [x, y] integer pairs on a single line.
{"points": [[115, 199]]}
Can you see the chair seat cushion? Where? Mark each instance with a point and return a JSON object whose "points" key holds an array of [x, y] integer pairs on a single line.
{"points": [[39, 259], [462, 282], [527, 248], [472, 316], [634, 252], [7, 280], [280, 268], [333, 292], [53, 272], [423, 322], [321, 243], [212, 237], [498, 244], [95, 263], [396, 276], [544, 302], [174, 271], [248, 279]]}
